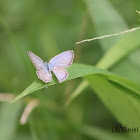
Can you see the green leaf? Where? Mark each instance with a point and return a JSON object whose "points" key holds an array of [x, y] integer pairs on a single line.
{"points": [[116, 53], [12, 39], [118, 50], [101, 134], [120, 101], [8, 120], [43, 128], [106, 20], [79, 70], [122, 48], [84, 84]]}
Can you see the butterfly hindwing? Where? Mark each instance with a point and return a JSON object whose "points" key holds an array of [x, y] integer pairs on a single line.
{"points": [[44, 74], [60, 73]]}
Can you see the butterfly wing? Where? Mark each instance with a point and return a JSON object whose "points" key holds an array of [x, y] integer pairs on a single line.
{"points": [[42, 72], [63, 59], [60, 73], [44, 75], [37, 61]]}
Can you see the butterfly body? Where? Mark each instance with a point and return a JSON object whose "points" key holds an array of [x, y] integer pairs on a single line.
{"points": [[57, 65], [46, 65]]}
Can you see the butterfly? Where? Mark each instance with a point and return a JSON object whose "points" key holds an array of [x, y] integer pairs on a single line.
{"points": [[57, 65]]}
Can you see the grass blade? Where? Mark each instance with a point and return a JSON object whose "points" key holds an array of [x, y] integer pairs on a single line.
{"points": [[119, 101], [105, 24], [80, 70], [8, 120], [98, 133]]}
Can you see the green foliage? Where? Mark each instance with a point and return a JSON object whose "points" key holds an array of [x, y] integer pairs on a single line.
{"points": [[109, 93], [9, 120], [79, 70]]}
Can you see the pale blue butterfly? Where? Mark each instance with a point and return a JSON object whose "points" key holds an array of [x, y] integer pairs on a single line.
{"points": [[57, 64]]}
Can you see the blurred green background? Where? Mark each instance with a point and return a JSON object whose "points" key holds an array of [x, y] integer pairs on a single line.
{"points": [[50, 27]]}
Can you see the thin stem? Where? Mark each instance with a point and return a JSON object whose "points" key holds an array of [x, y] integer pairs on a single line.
{"points": [[27, 111], [110, 35]]}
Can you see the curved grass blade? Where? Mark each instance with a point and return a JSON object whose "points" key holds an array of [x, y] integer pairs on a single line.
{"points": [[84, 84], [112, 77], [106, 20], [101, 134], [124, 47], [119, 100], [80, 70], [9, 120], [118, 48]]}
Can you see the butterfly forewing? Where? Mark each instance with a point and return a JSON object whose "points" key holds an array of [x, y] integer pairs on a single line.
{"points": [[63, 59], [60, 73], [37, 61]]}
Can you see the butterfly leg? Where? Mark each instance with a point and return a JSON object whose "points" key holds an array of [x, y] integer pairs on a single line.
{"points": [[46, 85]]}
